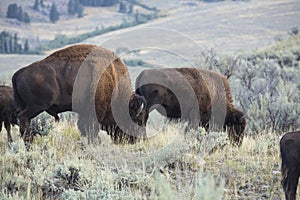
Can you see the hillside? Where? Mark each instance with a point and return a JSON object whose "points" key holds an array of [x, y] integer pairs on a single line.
{"points": [[227, 26], [40, 30], [224, 26]]}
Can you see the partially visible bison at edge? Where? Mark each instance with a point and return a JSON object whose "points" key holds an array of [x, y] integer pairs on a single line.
{"points": [[290, 166], [7, 110], [48, 85], [212, 95]]}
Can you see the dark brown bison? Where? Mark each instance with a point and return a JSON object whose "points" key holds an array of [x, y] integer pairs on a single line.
{"points": [[87, 79], [290, 166], [199, 96], [7, 110]]}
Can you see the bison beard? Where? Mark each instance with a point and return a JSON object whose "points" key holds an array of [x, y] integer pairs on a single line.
{"points": [[199, 96], [7, 110], [290, 166], [80, 78]]}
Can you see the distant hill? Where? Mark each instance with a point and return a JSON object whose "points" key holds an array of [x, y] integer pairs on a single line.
{"points": [[41, 30], [226, 26]]}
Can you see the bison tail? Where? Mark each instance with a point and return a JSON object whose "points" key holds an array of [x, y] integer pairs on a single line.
{"points": [[284, 168], [284, 172], [18, 102]]}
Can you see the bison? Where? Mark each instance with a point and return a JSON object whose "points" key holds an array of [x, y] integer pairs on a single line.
{"points": [[86, 79], [7, 110], [290, 166], [199, 96]]}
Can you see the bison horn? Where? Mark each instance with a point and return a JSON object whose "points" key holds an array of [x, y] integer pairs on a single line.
{"points": [[140, 109]]}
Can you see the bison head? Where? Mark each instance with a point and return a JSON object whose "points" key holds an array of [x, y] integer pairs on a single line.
{"points": [[137, 110], [236, 123], [129, 127]]}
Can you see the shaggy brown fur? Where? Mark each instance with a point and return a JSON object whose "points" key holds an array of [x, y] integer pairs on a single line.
{"points": [[67, 80], [200, 96], [7, 110], [290, 166]]}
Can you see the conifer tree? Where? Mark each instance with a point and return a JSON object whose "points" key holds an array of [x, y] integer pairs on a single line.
{"points": [[36, 5], [12, 11], [26, 46], [54, 15], [122, 7], [71, 7]]}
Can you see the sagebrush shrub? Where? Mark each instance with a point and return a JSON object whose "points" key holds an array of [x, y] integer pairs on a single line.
{"points": [[265, 85]]}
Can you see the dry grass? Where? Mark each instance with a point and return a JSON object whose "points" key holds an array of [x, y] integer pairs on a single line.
{"points": [[168, 163]]}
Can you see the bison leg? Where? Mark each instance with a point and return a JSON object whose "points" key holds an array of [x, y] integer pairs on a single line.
{"points": [[24, 116], [26, 134], [1, 125], [7, 127], [54, 114], [290, 184]]}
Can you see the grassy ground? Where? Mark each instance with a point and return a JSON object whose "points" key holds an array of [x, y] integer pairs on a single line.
{"points": [[62, 164]]}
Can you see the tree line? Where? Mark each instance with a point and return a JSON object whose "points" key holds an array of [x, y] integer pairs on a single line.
{"points": [[9, 43], [98, 3], [15, 12], [75, 7]]}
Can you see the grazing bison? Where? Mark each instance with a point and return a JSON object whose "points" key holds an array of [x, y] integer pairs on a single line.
{"points": [[83, 78], [7, 110], [290, 166], [199, 96]]}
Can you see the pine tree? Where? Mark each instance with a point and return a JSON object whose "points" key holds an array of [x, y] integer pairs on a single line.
{"points": [[10, 46], [122, 8], [130, 8], [80, 10], [36, 5], [75, 7], [20, 14], [15, 12], [26, 46], [26, 17], [15, 43], [12, 11], [54, 15], [137, 16], [71, 7]]}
